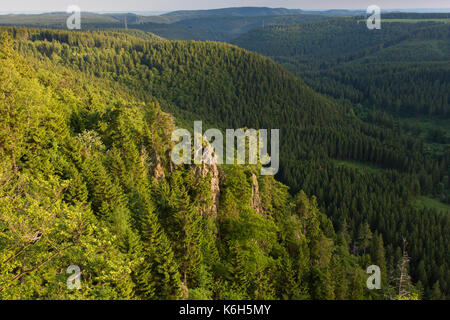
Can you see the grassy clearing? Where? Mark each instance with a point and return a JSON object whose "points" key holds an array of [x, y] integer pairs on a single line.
{"points": [[427, 202], [425, 124], [358, 165]]}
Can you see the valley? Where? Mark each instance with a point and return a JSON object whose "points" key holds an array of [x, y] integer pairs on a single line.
{"points": [[364, 153]]}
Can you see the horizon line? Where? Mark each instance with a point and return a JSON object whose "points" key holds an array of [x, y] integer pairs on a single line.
{"points": [[156, 12]]}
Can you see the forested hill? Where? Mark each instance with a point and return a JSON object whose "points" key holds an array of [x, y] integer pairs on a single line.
{"points": [[335, 41], [86, 180], [395, 78], [214, 25], [232, 12], [229, 87], [220, 28], [59, 18], [404, 67]]}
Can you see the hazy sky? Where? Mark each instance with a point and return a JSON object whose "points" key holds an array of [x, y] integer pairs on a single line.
{"points": [[169, 5]]}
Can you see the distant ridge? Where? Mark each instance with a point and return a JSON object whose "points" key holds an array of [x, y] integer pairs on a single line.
{"points": [[237, 12]]}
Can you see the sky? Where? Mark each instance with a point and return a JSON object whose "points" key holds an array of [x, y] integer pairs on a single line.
{"points": [[171, 5]]}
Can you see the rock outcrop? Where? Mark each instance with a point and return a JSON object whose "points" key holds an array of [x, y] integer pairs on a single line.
{"points": [[209, 167], [158, 169], [255, 199]]}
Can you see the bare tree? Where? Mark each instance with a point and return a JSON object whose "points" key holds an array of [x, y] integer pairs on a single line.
{"points": [[404, 280]]}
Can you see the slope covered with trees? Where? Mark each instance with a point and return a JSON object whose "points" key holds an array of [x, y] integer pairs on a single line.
{"points": [[396, 78], [228, 87], [85, 180], [402, 68]]}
